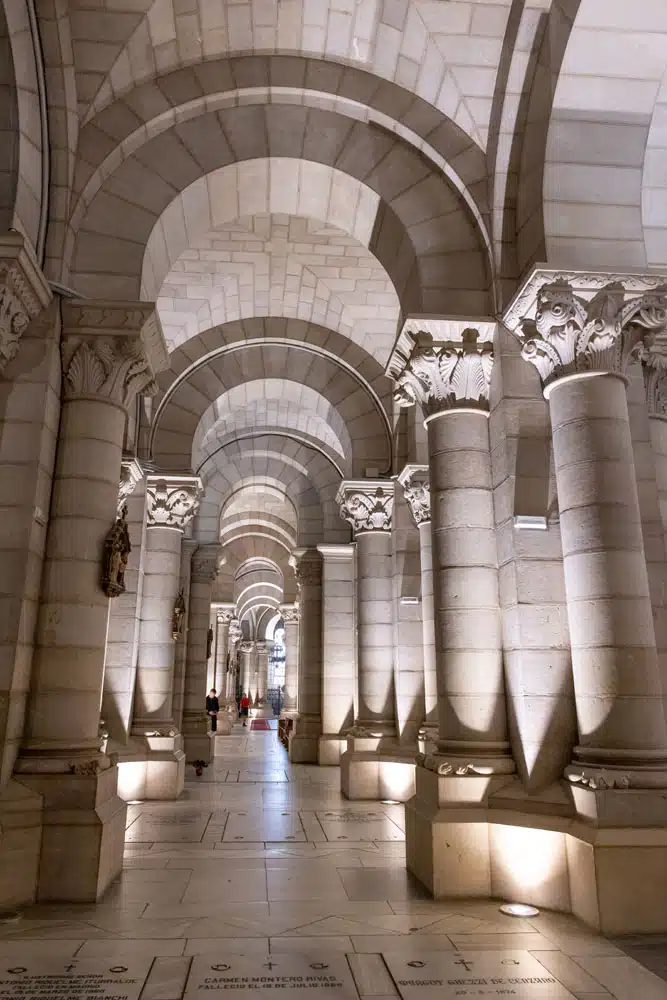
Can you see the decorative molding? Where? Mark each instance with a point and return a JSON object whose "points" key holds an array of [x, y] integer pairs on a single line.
{"points": [[205, 563], [575, 322], [459, 769], [172, 501], [290, 614], [366, 504], [247, 647], [443, 364], [225, 617], [90, 318], [87, 768], [416, 488], [24, 293], [307, 566], [131, 475]]}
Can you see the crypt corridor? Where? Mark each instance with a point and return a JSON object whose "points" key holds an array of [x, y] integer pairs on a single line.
{"points": [[333, 371]]}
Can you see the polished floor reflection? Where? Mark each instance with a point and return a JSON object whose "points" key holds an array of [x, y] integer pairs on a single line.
{"points": [[262, 857]]}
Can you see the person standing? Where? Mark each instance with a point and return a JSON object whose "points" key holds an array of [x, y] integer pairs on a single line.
{"points": [[212, 708], [245, 706]]}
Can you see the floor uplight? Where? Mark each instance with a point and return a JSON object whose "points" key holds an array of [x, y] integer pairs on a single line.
{"points": [[519, 910], [390, 802]]}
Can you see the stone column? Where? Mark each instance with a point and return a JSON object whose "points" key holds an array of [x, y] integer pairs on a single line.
{"points": [[171, 503], [188, 546], [290, 613], [339, 653], [367, 505], [415, 482], [224, 617], [247, 667], [303, 739], [110, 352], [205, 563], [120, 661], [581, 340], [232, 672], [262, 709], [446, 368]]}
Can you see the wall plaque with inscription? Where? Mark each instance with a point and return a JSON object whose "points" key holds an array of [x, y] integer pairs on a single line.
{"points": [[274, 976], [473, 974], [71, 979]]}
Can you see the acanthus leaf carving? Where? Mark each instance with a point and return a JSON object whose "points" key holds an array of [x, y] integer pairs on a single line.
{"points": [[172, 501], [131, 475], [24, 293], [112, 368], [366, 505], [445, 376], [290, 614]]}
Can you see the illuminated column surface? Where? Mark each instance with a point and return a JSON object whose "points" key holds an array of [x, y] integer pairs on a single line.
{"points": [[304, 736]]}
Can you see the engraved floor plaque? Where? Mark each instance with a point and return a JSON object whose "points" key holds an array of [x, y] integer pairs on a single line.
{"points": [[450, 975], [70, 979], [274, 976]]}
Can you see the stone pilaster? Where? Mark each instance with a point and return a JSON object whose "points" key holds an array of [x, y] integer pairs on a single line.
{"points": [[110, 352], [159, 771], [415, 482], [205, 563], [233, 658], [445, 367], [303, 739], [262, 708], [225, 614], [247, 650], [188, 546], [290, 613], [339, 649]]}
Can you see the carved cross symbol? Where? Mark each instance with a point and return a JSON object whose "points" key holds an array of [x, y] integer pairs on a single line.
{"points": [[268, 965], [463, 961], [68, 968]]}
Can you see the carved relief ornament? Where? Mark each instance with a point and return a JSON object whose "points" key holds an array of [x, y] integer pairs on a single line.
{"points": [[131, 475], [367, 505], [442, 374], [111, 350], [24, 293], [225, 616], [290, 614], [573, 322], [416, 487], [172, 501]]}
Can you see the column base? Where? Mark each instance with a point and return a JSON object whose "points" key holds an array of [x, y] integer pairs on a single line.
{"points": [[303, 740], [20, 843], [427, 739], [463, 841], [370, 770], [83, 835], [329, 749], [153, 769], [197, 738]]}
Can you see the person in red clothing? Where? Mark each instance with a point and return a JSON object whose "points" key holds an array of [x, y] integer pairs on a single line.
{"points": [[245, 705]]}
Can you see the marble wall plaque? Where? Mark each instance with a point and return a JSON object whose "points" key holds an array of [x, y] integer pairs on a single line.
{"points": [[88, 979], [447, 976], [288, 976]]}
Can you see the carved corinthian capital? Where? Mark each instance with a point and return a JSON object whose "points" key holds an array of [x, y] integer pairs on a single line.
{"points": [[131, 475], [206, 561], [172, 501], [571, 321], [307, 566], [24, 293], [111, 350], [443, 364], [366, 504], [290, 614], [415, 482]]}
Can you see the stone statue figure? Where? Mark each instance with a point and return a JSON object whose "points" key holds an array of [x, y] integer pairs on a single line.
{"points": [[178, 616], [117, 549], [209, 642]]}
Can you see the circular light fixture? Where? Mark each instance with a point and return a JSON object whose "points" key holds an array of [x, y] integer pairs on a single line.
{"points": [[519, 910], [390, 802]]}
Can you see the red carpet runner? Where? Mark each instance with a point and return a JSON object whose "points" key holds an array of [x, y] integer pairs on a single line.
{"points": [[260, 725]]}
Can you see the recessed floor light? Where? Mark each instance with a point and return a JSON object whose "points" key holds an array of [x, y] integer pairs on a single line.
{"points": [[519, 910], [135, 802], [390, 802]]}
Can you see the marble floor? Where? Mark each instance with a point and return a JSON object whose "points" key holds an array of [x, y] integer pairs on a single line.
{"points": [[260, 858]]}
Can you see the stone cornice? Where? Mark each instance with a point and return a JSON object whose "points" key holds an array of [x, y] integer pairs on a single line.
{"points": [[131, 474], [336, 553], [415, 482], [24, 293], [366, 504], [572, 322], [111, 350], [172, 501], [443, 363]]}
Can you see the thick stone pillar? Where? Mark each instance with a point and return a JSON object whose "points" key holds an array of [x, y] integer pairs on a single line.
{"points": [[232, 672], [339, 652], [290, 613], [188, 546], [120, 662], [415, 482], [159, 771], [303, 739], [580, 331], [205, 563], [247, 668], [262, 708], [446, 368], [224, 616], [373, 767], [109, 353]]}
